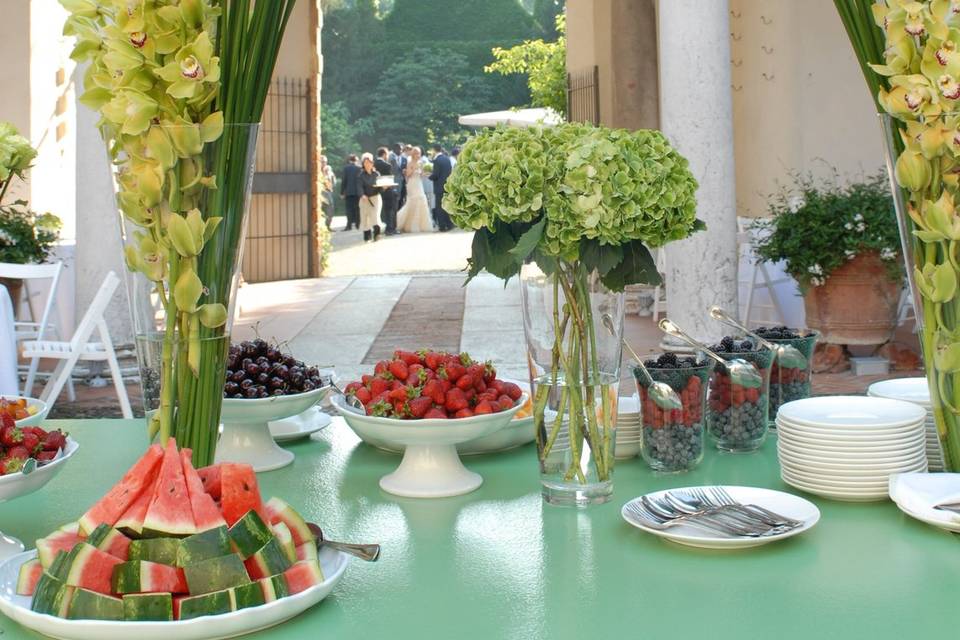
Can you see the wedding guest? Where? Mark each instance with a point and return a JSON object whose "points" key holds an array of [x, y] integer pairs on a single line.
{"points": [[370, 201], [441, 171], [404, 161], [454, 156], [351, 190], [389, 195], [329, 179]]}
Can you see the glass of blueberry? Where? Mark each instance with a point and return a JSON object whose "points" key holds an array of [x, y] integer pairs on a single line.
{"points": [[737, 415], [789, 377], [673, 438]]}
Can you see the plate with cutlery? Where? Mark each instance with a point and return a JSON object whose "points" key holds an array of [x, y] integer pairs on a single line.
{"points": [[721, 517]]}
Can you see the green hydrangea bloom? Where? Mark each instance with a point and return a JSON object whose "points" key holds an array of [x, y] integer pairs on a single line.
{"points": [[16, 154]]}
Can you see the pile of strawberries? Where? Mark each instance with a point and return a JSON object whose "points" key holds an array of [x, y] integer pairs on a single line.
{"points": [[433, 384], [690, 415], [19, 443]]}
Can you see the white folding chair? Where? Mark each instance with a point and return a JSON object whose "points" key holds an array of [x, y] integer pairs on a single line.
{"points": [[34, 329], [69, 353], [758, 278]]}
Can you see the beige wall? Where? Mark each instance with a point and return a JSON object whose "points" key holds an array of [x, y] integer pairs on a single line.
{"points": [[15, 74]]}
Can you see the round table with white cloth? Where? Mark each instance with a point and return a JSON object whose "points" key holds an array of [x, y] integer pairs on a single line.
{"points": [[8, 346]]}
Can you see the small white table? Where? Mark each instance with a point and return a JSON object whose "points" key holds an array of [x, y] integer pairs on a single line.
{"points": [[8, 347]]}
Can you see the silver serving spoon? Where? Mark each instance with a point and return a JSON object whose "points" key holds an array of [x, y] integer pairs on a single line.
{"points": [[741, 372], [662, 394], [368, 552], [787, 354], [350, 400]]}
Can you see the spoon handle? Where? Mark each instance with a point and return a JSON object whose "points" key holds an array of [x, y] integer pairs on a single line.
{"points": [[671, 329], [719, 314], [368, 552]]}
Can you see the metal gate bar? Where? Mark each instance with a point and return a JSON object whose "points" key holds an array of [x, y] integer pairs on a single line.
{"points": [[583, 96]]}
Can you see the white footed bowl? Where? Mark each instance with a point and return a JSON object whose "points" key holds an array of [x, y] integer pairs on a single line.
{"points": [[30, 421]]}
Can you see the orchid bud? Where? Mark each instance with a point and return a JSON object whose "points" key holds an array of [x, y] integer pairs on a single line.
{"points": [[187, 291], [912, 171], [213, 315], [182, 237]]}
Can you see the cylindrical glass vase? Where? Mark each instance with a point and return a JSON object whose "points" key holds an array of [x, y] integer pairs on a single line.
{"points": [[183, 273], [790, 377], [737, 414], [573, 326]]}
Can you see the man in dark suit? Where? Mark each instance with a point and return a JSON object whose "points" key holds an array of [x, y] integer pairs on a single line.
{"points": [[389, 195], [351, 190], [442, 168], [398, 162]]}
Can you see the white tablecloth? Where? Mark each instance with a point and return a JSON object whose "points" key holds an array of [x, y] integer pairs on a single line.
{"points": [[8, 346]]}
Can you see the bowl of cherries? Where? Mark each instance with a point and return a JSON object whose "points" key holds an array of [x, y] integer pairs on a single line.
{"points": [[263, 384]]}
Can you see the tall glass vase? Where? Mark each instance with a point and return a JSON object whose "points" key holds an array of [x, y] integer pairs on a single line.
{"points": [[183, 360], [573, 327], [933, 272]]}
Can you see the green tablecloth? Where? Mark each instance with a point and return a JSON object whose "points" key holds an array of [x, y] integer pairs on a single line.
{"points": [[499, 564]]}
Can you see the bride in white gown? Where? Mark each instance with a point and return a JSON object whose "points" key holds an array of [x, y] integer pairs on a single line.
{"points": [[415, 214]]}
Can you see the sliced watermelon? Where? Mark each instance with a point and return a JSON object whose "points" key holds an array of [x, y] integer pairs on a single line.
{"points": [[108, 539], [28, 577], [138, 478], [285, 538], [307, 551], [141, 576], [279, 511], [302, 576], [169, 513], [71, 527], [49, 547], [92, 569], [131, 522], [206, 515], [239, 492], [211, 480]]}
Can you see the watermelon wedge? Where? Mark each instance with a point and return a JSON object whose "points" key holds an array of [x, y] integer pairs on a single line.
{"points": [[28, 577], [302, 576], [211, 480], [131, 522], [140, 576], [49, 547], [109, 509], [206, 515], [92, 569], [169, 514], [239, 492], [279, 511]]}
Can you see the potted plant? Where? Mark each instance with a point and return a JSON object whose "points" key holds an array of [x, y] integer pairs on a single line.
{"points": [[572, 209], [25, 237], [841, 245]]}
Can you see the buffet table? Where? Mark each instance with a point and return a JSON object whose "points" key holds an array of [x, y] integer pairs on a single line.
{"points": [[498, 563]]}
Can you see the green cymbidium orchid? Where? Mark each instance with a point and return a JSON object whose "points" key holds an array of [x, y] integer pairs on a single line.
{"points": [[193, 66]]}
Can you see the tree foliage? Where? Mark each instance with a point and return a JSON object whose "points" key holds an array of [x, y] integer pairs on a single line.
{"points": [[544, 65], [340, 132]]}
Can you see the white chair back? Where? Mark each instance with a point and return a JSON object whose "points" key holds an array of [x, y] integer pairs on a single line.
{"points": [[95, 311], [49, 272]]}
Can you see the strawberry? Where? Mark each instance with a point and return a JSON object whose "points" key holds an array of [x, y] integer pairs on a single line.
{"points": [[10, 436], [401, 409], [378, 386], [407, 356], [463, 413], [32, 442], [455, 371], [505, 403], [465, 382], [55, 440], [446, 384], [381, 367], [470, 393], [455, 400], [397, 384], [11, 464], [380, 408], [436, 413], [46, 456], [489, 372], [512, 390], [483, 407], [399, 369], [365, 379], [6, 420], [432, 359], [497, 386], [18, 452], [352, 387], [434, 390], [420, 406], [475, 371], [417, 375], [363, 395], [399, 393], [480, 385]]}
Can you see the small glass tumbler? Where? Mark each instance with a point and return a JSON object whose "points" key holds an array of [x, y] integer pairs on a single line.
{"points": [[673, 439], [790, 380], [736, 414]]}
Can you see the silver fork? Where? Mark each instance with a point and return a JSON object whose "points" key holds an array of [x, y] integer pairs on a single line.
{"points": [[715, 518], [722, 496], [736, 513], [654, 521]]}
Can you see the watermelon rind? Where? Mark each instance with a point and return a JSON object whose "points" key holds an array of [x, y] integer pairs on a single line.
{"points": [[49, 547], [137, 479], [108, 539], [212, 543], [60, 566], [249, 534], [70, 527], [245, 596], [52, 596], [274, 588], [208, 604], [130, 523], [215, 574], [267, 561], [162, 550], [285, 538], [28, 577], [279, 511], [148, 606], [169, 514], [308, 551], [92, 569], [302, 576], [90, 605], [141, 576]]}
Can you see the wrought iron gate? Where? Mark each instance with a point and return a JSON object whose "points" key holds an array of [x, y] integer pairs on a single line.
{"points": [[583, 96], [283, 210]]}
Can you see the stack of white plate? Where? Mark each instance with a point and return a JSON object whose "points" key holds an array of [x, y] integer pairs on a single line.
{"points": [[629, 427], [846, 447], [914, 390]]}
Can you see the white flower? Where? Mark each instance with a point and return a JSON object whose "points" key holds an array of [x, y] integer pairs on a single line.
{"points": [[850, 253], [888, 254], [815, 269], [858, 218], [848, 226], [816, 282], [861, 227]]}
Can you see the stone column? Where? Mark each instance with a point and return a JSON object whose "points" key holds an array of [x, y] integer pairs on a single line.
{"points": [[696, 114]]}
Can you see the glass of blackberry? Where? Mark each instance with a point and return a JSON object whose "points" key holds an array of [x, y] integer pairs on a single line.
{"points": [[789, 377], [673, 438], [737, 414]]}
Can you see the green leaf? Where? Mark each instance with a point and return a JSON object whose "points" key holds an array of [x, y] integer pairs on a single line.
{"points": [[529, 240], [636, 267], [602, 258], [699, 225]]}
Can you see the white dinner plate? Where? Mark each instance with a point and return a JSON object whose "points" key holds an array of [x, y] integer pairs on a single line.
{"points": [[227, 625], [851, 412], [299, 426], [852, 434], [940, 524], [849, 469], [785, 504], [913, 390], [841, 456], [837, 494], [853, 442], [877, 481], [879, 448]]}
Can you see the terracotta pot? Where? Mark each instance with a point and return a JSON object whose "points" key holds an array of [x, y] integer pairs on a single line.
{"points": [[857, 305], [14, 288]]}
